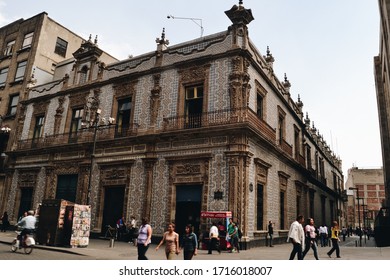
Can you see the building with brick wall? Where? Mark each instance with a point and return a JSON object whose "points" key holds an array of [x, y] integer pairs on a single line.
{"points": [[204, 125], [367, 186]]}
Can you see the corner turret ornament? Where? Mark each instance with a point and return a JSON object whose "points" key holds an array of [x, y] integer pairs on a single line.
{"points": [[240, 15]]}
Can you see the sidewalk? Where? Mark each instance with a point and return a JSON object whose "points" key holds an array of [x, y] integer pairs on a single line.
{"points": [[100, 249]]}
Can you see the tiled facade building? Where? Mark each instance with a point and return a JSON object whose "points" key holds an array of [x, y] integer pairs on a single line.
{"points": [[200, 126]]}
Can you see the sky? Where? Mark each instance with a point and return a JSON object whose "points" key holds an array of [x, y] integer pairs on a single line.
{"points": [[326, 48]]}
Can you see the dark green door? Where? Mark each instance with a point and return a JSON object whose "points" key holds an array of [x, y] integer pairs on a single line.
{"points": [[67, 187], [188, 205], [113, 206], [25, 200]]}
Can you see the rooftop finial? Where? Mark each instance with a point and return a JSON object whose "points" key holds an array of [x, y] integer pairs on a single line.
{"points": [[162, 40], [240, 2], [96, 39], [90, 38]]}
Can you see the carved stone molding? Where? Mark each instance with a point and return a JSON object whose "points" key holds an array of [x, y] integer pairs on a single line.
{"points": [[125, 89]]}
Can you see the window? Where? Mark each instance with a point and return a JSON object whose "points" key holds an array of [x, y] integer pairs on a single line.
{"points": [[193, 106], [61, 46], [83, 75], [20, 71], [77, 117], [123, 116], [27, 40], [308, 157], [260, 206], [281, 123], [296, 143], [282, 209], [3, 76], [260, 104], [38, 129], [13, 104], [9, 48]]}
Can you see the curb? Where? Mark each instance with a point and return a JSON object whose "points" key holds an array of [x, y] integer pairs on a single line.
{"points": [[48, 248]]}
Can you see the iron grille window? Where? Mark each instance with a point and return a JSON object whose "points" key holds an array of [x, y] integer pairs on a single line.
{"points": [[193, 106], [124, 116], [77, 117], [38, 129]]}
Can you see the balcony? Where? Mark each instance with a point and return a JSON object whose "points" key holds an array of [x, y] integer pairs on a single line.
{"points": [[218, 118], [106, 132]]}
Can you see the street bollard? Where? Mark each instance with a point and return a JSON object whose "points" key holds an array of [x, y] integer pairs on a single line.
{"points": [[355, 243], [112, 242]]}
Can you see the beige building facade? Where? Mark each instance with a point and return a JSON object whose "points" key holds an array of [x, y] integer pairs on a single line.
{"points": [[203, 125], [30, 51], [366, 186]]}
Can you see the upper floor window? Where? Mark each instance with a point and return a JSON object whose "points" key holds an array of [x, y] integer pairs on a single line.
{"points": [[281, 125], [20, 71], [27, 41], [3, 76], [83, 74], [13, 104], [296, 143], [123, 116], [61, 47], [77, 117], [308, 157], [193, 107], [260, 106], [38, 129], [9, 48]]}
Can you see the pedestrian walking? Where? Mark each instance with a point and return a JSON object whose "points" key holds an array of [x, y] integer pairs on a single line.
{"points": [[310, 239], [5, 222], [297, 237], [233, 236], [214, 239], [144, 239], [189, 243], [171, 240], [323, 231], [270, 233], [335, 233]]}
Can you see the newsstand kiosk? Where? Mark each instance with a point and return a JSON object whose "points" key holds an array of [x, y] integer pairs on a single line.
{"points": [[63, 223], [216, 215]]}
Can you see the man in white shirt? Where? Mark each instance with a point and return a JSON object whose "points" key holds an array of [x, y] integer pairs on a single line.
{"points": [[214, 239], [27, 224], [297, 237]]}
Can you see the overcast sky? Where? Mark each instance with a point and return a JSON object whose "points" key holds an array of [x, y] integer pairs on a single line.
{"points": [[326, 48]]}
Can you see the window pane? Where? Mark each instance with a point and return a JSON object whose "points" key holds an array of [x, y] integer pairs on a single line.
{"points": [[13, 104], [3, 76], [27, 40], [61, 46], [20, 71], [9, 48]]}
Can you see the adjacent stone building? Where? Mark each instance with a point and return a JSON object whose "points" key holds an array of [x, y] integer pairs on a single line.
{"points": [[204, 125], [382, 83], [30, 50], [367, 186]]}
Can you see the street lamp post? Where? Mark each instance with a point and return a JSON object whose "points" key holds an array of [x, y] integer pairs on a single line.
{"points": [[95, 128], [360, 225]]}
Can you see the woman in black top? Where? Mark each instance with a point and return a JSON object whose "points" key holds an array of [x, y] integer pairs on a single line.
{"points": [[189, 243]]}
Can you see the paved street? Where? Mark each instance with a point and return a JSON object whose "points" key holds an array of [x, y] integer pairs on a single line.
{"points": [[99, 249]]}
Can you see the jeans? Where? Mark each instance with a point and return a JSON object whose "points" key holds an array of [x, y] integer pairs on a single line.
{"points": [[335, 246], [297, 249], [312, 244], [142, 251]]}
